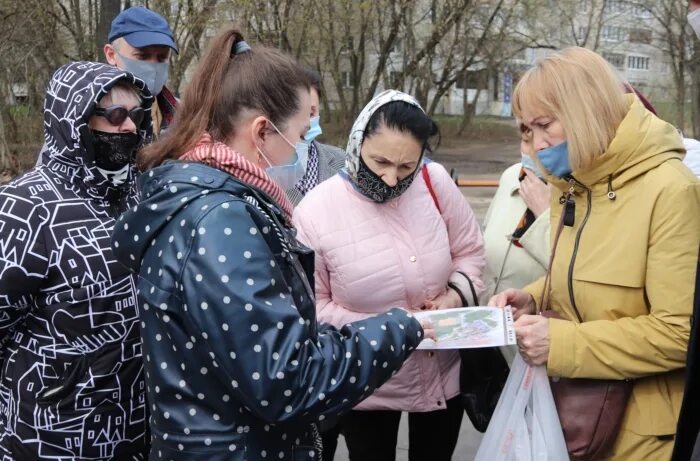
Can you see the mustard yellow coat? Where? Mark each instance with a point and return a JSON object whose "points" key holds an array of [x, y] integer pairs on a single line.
{"points": [[628, 263]]}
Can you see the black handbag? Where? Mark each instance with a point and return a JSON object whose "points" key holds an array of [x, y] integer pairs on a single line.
{"points": [[482, 376]]}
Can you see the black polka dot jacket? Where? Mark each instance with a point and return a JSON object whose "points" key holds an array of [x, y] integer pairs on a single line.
{"points": [[237, 367]]}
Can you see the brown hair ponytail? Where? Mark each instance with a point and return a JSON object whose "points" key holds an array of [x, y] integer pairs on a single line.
{"points": [[224, 84]]}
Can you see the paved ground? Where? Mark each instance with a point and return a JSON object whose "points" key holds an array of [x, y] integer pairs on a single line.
{"points": [[479, 160], [476, 161]]}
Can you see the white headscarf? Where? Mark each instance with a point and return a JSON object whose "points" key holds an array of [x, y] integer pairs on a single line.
{"points": [[357, 133]]}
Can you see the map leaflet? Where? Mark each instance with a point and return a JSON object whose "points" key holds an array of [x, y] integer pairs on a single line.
{"points": [[469, 327]]}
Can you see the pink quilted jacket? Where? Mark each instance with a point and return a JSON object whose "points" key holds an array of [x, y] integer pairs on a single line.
{"points": [[371, 257]]}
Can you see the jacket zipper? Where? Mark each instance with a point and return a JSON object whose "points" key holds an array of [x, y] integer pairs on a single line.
{"points": [[576, 244]]}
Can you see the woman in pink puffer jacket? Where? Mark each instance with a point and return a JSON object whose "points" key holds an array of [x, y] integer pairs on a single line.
{"points": [[393, 230]]}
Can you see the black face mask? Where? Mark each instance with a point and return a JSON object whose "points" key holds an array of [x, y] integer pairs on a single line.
{"points": [[113, 151], [373, 187]]}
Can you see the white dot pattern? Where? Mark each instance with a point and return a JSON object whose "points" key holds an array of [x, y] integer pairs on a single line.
{"points": [[225, 264]]}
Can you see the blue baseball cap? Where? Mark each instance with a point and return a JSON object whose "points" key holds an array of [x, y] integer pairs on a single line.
{"points": [[141, 27]]}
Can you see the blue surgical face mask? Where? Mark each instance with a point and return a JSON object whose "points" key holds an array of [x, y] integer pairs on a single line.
{"points": [[315, 129], [289, 174], [527, 162], [556, 159], [154, 74]]}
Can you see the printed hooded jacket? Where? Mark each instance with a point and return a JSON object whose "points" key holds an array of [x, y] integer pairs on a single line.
{"points": [[71, 384]]}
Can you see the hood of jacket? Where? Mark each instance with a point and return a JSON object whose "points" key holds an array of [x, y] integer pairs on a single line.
{"points": [[641, 143], [165, 191], [71, 98]]}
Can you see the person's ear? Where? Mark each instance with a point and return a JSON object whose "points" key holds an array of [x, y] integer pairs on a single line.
{"points": [[259, 129], [110, 54]]}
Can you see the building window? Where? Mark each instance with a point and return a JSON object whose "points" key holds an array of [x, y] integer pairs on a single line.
{"points": [[641, 10], [349, 43], [616, 59], [613, 33], [640, 36], [582, 33], [346, 78], [615, 6], [638, 62]]}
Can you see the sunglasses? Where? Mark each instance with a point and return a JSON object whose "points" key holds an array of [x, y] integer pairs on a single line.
{"points": [[117, 114]]}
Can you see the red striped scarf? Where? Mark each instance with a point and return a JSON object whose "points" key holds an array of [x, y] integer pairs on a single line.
{"points": [[218, 155]]}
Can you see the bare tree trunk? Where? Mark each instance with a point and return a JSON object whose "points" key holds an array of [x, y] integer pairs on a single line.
{"points": [[4, 150], [469, 110], [681, 95], [108, 9]]}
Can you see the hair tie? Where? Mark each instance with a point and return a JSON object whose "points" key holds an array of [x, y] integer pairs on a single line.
{"points": [[241, 47]]}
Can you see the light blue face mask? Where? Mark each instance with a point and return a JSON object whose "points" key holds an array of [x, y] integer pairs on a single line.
{"points": [[315, 129], [556, 159], [154, 74], [527, 162], [289, 174]]}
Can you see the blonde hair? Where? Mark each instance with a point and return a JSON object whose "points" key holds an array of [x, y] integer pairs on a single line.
{"points": [[581, 90], [121, 93]]}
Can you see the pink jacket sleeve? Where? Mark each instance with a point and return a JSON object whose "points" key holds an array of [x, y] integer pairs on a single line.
{"points": [[466, 240], [327, 310]]}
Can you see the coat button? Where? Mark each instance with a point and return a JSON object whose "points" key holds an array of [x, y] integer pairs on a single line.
{"points": [[431, 353], [412, 259], [439, 403]]}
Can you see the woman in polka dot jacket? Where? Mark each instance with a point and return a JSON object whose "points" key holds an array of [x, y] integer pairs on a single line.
{"points": [[237, 367]]}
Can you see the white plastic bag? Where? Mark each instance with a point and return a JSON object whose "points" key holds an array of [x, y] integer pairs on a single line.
{"points": [[525, 425]]}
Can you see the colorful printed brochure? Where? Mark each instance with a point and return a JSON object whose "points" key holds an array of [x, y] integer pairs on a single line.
{"points": [[469, 327]]}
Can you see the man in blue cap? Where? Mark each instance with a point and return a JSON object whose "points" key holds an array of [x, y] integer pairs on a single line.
{"points": [[140, 42]]}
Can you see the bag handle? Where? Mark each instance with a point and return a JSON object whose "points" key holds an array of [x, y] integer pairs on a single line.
{"points": [[429, 184], [547, 289]]}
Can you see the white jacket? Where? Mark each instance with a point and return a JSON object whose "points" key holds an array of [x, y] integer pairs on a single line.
{"points": [[692, 156], [509, 265]]}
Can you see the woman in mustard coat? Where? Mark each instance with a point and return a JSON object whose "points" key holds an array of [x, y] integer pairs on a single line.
{"points": [[627, 252]]}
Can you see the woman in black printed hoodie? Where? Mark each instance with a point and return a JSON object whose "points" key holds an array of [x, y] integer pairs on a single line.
{"points": [[71, 384]]}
